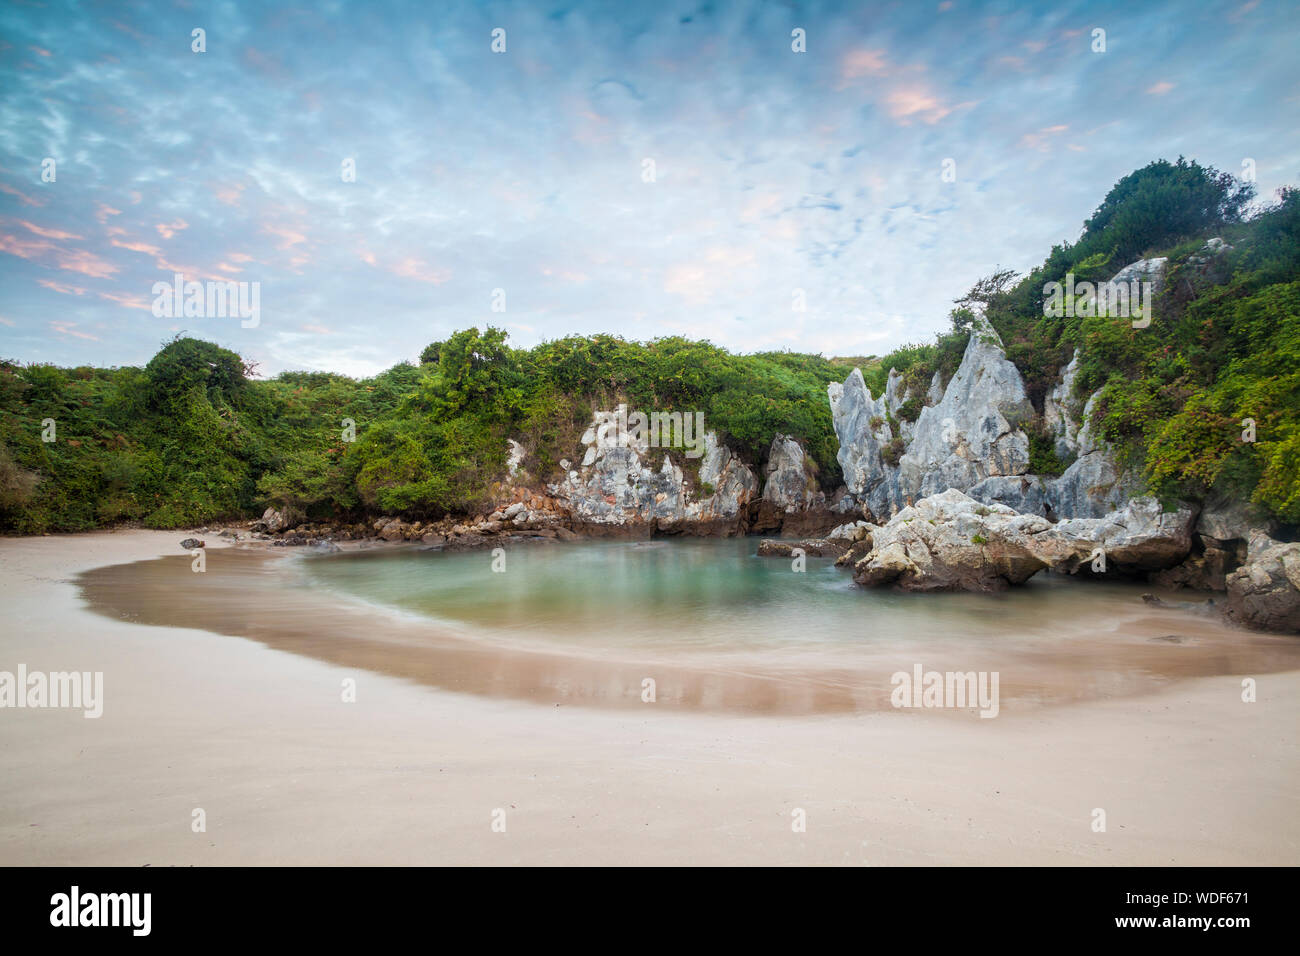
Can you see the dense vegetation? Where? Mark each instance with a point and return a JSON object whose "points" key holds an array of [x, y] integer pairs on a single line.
{"points": [[1223, 346], [192, 438]]}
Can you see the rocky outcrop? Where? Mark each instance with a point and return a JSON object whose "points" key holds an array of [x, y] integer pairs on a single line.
{"points": [[973, 433], [616, 491], [791, 485], [1219, 546], [275, 521], [851, 531], [1059, 414], [792, 501], [1264, 593], [970, 433], [950, 541], [810, 547], [867, 440], [1139, 537], [1093, 485]]}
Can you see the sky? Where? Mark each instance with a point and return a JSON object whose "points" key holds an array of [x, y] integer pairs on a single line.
{"points": [[642, 169]]}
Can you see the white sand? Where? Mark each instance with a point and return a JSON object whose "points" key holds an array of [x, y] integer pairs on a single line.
{"points": [[287, 773]]}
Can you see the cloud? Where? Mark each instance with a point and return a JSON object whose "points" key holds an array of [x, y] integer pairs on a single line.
{"points": [[169, 229], [906, 103], [410, 268], [62, 287], [137, 246], [21, 196], [128, 300], [1161, 88], [47, 233], [859, 63], [70, 329]]}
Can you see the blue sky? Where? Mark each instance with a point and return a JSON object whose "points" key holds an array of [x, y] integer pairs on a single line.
{"points": [[524, 170]]}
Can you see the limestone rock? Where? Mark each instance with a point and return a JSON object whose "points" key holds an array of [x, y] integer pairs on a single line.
{"points": [[950, 541], [790, 484], [1264, 593]]}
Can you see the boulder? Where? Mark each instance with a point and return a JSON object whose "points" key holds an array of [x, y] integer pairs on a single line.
{"points": [[1139, 537], [951, 542], [1027, 494], [852, 531], [1264, 593], [189, 544], [276, 521], [811, 547]]}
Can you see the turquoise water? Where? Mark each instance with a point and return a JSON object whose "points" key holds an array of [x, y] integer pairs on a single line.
{"points": [[706, 594]]}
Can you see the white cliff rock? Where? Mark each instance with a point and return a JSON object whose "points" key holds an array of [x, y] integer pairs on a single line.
{"points": [[790, 485], [615, 488], [950, 541]]}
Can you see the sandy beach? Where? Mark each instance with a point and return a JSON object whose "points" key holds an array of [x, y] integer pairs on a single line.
{"points": [[287, 773]]}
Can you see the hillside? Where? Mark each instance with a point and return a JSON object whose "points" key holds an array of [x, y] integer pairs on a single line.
{"points": [[193, 437]]}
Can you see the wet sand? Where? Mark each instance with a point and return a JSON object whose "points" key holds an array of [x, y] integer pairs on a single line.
{"points": [[259, 593], [255, 733]]}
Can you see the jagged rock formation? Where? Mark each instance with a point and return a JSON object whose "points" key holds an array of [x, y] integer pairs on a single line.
{"points": [[615, 491], [968, 435], [971, 433], [792, 500], [790, 484]]}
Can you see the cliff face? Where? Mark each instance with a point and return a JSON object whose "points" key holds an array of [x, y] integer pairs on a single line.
{"points": [[968, 437], [616, 490]]}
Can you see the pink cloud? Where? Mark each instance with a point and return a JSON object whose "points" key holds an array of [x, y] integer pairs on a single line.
{"points": [[290, 237], [104, 211], [169, 229], [47, 233], [1039, 140], [137, 246], [70, 260], [40, 51], [22, 197], [130, 301], [61, 287], [916, 102], [859, 63], [229, 194], [86, 263], [1161, 88], [415, 269], [69, 328]]}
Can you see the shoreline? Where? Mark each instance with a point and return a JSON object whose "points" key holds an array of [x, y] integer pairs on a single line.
{"points": [[286, 773]]}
